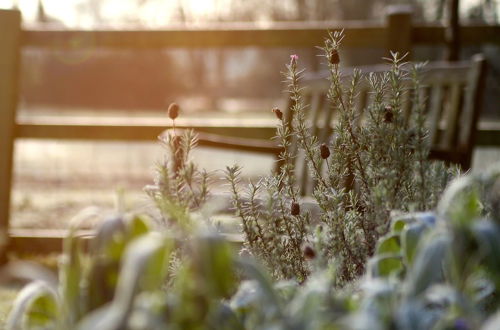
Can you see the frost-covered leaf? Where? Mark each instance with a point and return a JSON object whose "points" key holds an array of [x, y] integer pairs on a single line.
{"points": [[388, 244], [383, 265], [36, 307], [460, 202], [410, 237], [427, 268], [144, 267]]}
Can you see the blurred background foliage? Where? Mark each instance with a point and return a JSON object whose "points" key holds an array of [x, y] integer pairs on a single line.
{"points": [[432, 271]]}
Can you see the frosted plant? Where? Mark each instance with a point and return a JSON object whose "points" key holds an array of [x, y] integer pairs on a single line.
{"points": [[179, 186], [371, 170]]}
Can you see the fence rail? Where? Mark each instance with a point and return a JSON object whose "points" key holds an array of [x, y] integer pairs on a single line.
{"points": [[243, 35], [397, 33]]}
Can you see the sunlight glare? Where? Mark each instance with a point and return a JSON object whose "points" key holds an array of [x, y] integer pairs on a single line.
{"points": [[201, 7]]}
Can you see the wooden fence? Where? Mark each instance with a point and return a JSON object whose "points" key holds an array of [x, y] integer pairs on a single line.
{"points": [[397, 34]]}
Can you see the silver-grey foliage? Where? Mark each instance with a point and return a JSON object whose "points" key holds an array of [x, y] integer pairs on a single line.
{"points": [[371, 170]]}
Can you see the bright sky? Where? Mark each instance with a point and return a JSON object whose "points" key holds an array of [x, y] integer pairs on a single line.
{"points": [[78, 13]]}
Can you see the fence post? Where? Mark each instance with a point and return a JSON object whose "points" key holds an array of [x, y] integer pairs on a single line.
{"points": [[399, 29], [10, 34], [452, 33]]}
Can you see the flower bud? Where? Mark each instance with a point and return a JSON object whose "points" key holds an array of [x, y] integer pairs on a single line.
{"points": [[309, 252], [325, 152], [278, 113], [293, 59], [295, 208], [334, 57], [388, 114], [173, 111]]}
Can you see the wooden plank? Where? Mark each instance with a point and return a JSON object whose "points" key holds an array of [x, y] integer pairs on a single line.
{"points": [[480, 34], [10, 28], [227, 35], [428, 35], [399, 27], [42, 241], [473, 104], [315, 111], [469, 34], [488, 132], [452, 34], [473, 101], [129, 132], [434, 115], [452, 112], [488, 135], [359, 34], [45, 241], [218, 141]]}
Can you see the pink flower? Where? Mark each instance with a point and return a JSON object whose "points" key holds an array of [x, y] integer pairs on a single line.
{"points": [[294, 58]]}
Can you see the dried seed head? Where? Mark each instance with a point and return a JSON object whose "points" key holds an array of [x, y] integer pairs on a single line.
{"points": [[325, 152], [388, 114], [334, 57], [309, 252], [295, 208], [173, 110], [278, 113]]}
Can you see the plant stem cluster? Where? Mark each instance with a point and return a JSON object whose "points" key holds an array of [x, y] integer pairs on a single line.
{"points": [[375, 161], [179, 186]]}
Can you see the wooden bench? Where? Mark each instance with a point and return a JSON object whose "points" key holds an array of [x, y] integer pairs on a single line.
{"points": [[452, 92]]}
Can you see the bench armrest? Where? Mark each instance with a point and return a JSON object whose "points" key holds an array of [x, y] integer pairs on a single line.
{"points": [[233, 143]]}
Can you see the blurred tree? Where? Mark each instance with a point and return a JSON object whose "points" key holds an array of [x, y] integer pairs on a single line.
{"points": [[483, 10], [41, 16]]}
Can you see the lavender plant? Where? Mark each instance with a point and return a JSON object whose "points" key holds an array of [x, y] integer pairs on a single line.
{"points": [[274, 227], [362, 173], [179, 186]]}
